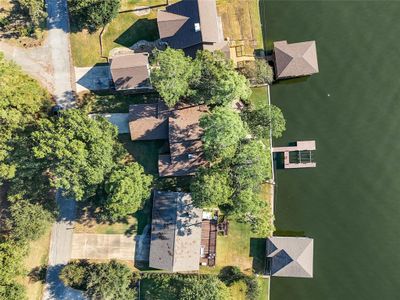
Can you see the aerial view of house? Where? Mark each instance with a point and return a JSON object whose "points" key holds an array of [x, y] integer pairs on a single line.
{"points": [[199, 150]]}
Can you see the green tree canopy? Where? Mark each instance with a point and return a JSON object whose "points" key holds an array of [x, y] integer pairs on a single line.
{"points": [[171, 75], [93, 14], [111, 280], [12, 291], [34, 9], [211, 188], [258, 72], [11, 260], [126, 189], [251, 165], [184, 287], [78, 151], [216, 81], [263, 119], [21, 101], [223, 129], [28, 221]]}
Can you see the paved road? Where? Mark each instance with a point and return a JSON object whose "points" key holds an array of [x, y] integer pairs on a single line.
{"points": [[59, 46], [60, 251], [34, 61], [61, 235]]}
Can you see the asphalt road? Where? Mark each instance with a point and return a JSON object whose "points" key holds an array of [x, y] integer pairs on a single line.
{"points": [[61, 235]]}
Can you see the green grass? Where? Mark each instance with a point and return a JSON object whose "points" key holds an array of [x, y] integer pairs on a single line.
{"points": [[101, 102], [144, 152], [125, 30], [241, 249], [264, 288], [259, 96]]}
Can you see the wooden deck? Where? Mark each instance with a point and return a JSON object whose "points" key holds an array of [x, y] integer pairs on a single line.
{"points": [[208, 242]]}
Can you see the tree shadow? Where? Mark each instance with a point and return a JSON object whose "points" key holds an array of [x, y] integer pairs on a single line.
{"points": [[142, 29], [257, 251]]}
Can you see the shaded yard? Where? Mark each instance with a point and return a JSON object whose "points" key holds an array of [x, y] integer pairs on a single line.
{"points": [[259, 96], [103, 102]]}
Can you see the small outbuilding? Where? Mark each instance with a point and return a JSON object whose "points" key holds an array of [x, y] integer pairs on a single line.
{"points": [[290, 256], [130, 71], [176, 230], [296, 59]]}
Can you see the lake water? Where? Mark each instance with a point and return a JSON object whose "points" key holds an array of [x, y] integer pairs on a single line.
{"points": [[350, 203]]}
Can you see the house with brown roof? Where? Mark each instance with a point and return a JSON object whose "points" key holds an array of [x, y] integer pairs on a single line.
{"points": [[176, 230], [289, 256], [296, 59], [179, 126], [192, 25], [130, 71]]}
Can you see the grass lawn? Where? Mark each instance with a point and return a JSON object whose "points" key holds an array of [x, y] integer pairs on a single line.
{"points": [[102, 102], [125, 30], [259, 96], [241, 249], [264, 288], [241, 22], [38, 256]]}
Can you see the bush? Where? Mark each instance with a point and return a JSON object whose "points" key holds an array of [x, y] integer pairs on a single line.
{"points": [[232, 274], [75, 274], [258, 72], [93, 14]]}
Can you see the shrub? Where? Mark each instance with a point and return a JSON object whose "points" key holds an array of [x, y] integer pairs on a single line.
{"points": [[258, 72]]}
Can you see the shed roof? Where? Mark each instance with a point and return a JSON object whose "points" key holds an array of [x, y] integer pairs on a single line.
{"points": [[296, 59], [190, 22], [130, 71], [148, 121], [175, 233], [290, 256]]}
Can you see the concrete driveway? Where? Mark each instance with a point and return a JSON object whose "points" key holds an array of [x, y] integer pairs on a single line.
{"points": [[120, 120], [94, 78], [102, 246]]}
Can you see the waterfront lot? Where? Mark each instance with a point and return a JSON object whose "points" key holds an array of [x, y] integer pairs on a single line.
{"points": [[349, 203]]}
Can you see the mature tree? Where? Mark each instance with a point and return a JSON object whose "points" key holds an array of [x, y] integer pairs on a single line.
{"points": [[211, 188], [203, 288], [21, 100], [258, 72], [78, 151], [223, 129], [251, 165], [74, 274], [12, 291], [263, 119], [28, 221], [111, 280], [126, 188], [184, 287], [93, 14], [11, 260], [34, 9], [216, 81], [171, 75]]}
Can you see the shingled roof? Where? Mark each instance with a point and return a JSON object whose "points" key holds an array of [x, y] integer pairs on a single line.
{"points": [[290, 256], [175, 233], [180, 126], [296, 59], [191, 25], [130, 71]]}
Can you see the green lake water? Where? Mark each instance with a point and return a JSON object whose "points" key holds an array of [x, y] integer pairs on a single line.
{"points": [[350, 203]]}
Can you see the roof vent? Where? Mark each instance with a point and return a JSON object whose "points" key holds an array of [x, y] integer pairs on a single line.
{"points": [[196, 27]]}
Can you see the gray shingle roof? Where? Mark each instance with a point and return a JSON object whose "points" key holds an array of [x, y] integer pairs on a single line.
{"points": [[290, 256], [130, 71], [177, 24], [296, 59], [175, 233]]}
